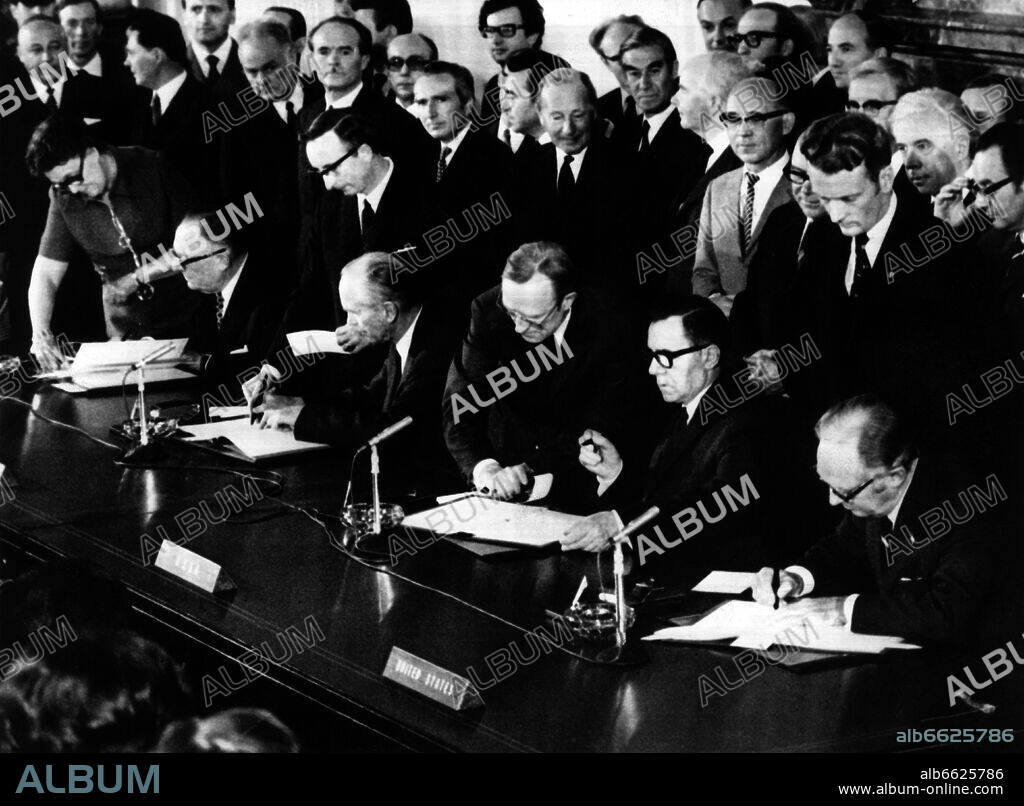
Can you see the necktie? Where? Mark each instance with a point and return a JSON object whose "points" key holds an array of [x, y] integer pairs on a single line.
{"points": [[367, 218], [508, 137], [51, 100], [861, 266], [220, 309], [672, 438], [645, 130], [748, 211], [289, 109], [157, 111], [566, 181], [395, 377], [630, 111], [213, 74], [442, 162]]}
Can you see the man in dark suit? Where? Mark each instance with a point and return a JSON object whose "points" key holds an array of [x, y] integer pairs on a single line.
{"points": [[269, 137], [341, 52], [884, 570], [246, 285], [385, 20], [571, 190], [657, 149], [388, 310], [853, 38], [101, 84], [168, 114], [882, 303], [616, 106], [212, 54], [543, 361], [742, 200], [521, 127], [406, 56], [716, 444], [474, 172]]}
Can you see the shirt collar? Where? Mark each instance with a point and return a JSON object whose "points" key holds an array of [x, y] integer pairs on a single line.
{"points": [[43, 90], [575, 165], [559, 333], [221, 53], [455, 143], [374, 196], [229, 287], [770, 176], [403, 344], [295, 98], [691, 407], [167, 92], [657, 121], [903, 494], [719, 142], [877, 233], [93, 67], [346, 100]]}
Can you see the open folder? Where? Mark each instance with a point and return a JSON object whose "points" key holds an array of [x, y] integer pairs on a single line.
{"points": [[248, 442], [757, 626]]}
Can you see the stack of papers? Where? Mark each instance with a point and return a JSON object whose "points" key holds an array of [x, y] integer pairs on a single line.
{"points": [[757, 626], [249, 442], [102, 365]]}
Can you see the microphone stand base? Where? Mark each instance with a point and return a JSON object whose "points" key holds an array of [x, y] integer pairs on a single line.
{"points": [[629, 655]]}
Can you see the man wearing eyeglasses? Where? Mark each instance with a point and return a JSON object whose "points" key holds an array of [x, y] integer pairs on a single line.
{"points": [[606, 40], [384, 19], [765, 34], [889, 567], [759, 139], [718, 20], [506, 25], [705, 447], [407, 54], [568, 364]]}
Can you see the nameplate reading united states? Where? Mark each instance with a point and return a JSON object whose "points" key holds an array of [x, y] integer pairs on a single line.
{"points": [[192, 568], [440, 685]]}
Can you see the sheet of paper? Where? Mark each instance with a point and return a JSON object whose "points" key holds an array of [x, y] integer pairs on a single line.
{"points": [[497, 521], [123, 353], [728, 621], [253, 441], [310, 342], [229, 412], [541, 487], [824, 639], [732, 582]]}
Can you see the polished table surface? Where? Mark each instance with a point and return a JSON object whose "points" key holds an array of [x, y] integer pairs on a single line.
{"points": [[442, 603]]}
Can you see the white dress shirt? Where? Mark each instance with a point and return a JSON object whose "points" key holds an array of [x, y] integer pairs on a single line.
{"points": [[346, 100], [93, 67], [167, 92], [43, 90], [874, 245], [221, 53], [767, 179], [295, 99], [656, 121], [574, 166], [231, 284], [374, 196], [719, 142], [403, 344]]}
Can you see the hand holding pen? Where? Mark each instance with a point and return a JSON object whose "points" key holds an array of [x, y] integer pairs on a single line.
{"points": [[772, 586], [255, 387]]}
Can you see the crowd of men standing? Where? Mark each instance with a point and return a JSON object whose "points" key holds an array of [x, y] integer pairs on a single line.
{"points": [[784, 232]]}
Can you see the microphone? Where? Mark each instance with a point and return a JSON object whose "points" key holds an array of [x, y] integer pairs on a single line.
{"points": [[390, 431], [153, 356], [636, 524]]}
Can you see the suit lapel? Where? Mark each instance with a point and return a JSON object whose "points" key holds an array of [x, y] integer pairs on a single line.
{"points": [[780, 195]]}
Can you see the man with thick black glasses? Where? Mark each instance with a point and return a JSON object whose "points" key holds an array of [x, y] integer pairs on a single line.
{"points": [[715, 438], [606, 40], [896, 564], [407, 55]]}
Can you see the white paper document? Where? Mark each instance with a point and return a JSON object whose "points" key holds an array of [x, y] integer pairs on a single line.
{"points": [[541, 487], [311, 342], [102, 365], [495, 521], [250, 441], [758, 626], [732, 582]]}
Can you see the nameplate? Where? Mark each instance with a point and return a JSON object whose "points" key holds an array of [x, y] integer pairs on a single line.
{"points": [[189, 566], [440, 685]]}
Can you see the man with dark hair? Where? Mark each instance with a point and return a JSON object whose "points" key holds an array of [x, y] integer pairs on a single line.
{"points": [[657, 151], [167, 115], [293, 20], [853, 39], [725, 248], [706, 448], [575, 371], [571, 189], [882, 570], [384, 19], [406, 56], [992, 98], [212, 53], [882, 305], [718, 20], [606, 40], [387, 309], [507, 25], [521, 128], [474, 171]]}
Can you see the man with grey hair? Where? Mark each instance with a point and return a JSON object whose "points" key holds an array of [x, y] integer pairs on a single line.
{"points": [[755, 190], [884, 570], [387, 308], [935, 149], [544, 359], [571, 190], [617, 105]]}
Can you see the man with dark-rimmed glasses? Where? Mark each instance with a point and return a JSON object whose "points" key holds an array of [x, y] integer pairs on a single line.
{"points": [[606, 40], [544, 360]]}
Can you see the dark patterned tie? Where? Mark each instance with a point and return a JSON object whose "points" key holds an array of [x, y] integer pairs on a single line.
{"points": [[156, 110], [220, 309], [645, 131], [51, 100], [442, 163], [213, 75], [566, 181], [748, 211], [861, 266]]}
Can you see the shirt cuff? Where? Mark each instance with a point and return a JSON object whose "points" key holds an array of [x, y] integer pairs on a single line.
{"points": [[482, 472], [848, 610], [604, 484], [805, 576]]}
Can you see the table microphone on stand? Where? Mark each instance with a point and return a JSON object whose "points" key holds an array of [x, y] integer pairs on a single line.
{"points": [[144, 448]]}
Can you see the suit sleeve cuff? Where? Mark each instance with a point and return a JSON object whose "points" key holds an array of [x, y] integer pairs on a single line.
{"points": [[848, 610], [805, 576]]}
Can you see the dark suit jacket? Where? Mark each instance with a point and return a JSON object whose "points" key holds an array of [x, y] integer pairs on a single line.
{"points": [[108, 99], [591, 225], [609, 107], [232, 78], [178, 135], [539, 422], [929, 589], [490, 103], [416, 457]]}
